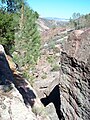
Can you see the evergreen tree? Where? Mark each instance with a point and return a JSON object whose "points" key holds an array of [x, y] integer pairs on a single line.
{"points": [[9, 19], [28, 40], [6, 31], [12, 6], [87, 20]]}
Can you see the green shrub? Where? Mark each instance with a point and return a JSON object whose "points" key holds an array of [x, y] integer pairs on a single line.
{"points": [[50, 59], [55, 67], [44, 76]]}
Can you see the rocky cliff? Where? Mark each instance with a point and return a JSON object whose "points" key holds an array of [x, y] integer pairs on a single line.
{"points": [[18, 100], [75, 76]]}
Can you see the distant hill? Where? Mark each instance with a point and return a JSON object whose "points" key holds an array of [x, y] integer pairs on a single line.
{"points": [[57, 19], [50, 22]]}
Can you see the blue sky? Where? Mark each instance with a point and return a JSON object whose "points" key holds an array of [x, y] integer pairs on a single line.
{"points": [[59, 8]]}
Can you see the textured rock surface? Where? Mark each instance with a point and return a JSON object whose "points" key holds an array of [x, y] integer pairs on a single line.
{"points": [[49, 92], [12, 106], [78, 45], [75, 76], [17, 97], [48, 88], [75, 89], [52, 112], [70, 94]]}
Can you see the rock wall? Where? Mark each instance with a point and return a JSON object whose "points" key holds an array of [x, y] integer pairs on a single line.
{"points": [[75, 89], [75, 76]]}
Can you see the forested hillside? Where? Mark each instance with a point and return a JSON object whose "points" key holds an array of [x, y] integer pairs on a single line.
{"points": [[18, 32], [79, 21]]}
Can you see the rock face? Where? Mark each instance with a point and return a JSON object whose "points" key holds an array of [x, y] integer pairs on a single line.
{"points": [[17, 98], [5, 72], [75, 76], [52, 112], [75, 89], [12, 106], [78, 45]]}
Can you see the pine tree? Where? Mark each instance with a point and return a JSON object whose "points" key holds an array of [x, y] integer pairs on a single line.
{"points": [[9, 19], [6, 31], [12, 6], [28, 43]]}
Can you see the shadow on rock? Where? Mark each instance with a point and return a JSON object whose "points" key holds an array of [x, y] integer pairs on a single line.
{"points": [[54, 97], [27, 94]]}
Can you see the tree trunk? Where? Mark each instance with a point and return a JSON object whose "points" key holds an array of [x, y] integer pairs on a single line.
{"points": [[22, 17]]}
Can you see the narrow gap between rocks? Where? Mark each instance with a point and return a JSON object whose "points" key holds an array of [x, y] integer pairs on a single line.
{"points": [[54, 97]]}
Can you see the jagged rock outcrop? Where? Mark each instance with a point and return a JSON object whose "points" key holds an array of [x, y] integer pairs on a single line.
{"points": [[75, 89], [12, 106], [75, 76], [78, 45], [71, 93], [17, 98]]}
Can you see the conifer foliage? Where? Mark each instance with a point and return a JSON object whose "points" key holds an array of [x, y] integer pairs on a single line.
{"points": [[28, 40], [11, 6], [8, 22], [25, 38], [6, 31]]}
